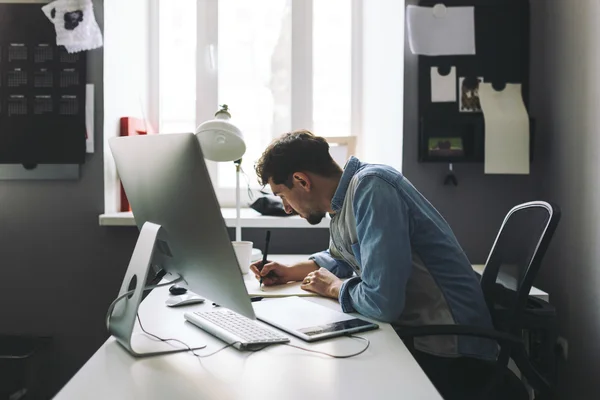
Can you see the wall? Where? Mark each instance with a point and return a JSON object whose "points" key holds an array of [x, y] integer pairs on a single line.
{"points": [[565, 87], [60, 269], [476, 207]]}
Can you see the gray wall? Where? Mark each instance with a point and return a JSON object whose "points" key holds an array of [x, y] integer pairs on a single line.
{"points": [[564, 93]]}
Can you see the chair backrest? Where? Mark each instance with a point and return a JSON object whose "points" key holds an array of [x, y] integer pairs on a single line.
{"points": [[515, 259]]}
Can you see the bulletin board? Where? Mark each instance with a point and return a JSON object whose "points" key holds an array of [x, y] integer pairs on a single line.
{"points": [[42, 91], [455, 131]]}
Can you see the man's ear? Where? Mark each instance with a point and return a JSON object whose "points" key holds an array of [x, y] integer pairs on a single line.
{"points": [[302, 180]]}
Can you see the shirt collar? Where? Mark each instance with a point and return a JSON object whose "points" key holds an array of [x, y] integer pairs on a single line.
{"points": [[340, 193]]}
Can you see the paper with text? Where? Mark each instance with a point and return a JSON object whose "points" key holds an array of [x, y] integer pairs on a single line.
{"points": [[450, 31], [89, 118]]}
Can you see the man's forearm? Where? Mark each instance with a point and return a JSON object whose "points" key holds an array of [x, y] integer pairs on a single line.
{"points": [[299, 271]]}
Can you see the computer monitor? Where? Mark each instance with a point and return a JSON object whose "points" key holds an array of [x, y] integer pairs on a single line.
{"points": [[181, 226]]}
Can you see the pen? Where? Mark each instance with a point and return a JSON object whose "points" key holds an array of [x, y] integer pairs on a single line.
{"points": [[265, 255]]}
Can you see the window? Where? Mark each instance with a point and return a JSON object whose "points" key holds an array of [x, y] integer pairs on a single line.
{"points": [[278, 64], [177, 66]]}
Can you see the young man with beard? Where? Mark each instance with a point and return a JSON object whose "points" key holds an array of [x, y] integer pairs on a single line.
{"points": [[402, 262]]}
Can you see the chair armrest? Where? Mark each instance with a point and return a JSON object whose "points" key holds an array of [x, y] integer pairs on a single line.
{"points": [[464, 330]]}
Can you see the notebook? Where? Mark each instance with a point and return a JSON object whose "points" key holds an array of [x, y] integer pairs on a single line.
{"points": [[288, 289], [307, 320]]}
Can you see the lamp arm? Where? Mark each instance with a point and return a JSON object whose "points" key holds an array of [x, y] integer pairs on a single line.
{"points": [[238, 226]]}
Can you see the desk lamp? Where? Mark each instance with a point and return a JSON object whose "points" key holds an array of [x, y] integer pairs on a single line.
{"points": [[222, 141]]}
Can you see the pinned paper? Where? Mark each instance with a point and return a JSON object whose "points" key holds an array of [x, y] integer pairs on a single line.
{"points": [[506, 129], [89, 118], [75, 24], [443, 87], [441, 30]]}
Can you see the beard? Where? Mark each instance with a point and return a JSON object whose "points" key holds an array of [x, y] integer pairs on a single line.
{"points": [[315, 218]]}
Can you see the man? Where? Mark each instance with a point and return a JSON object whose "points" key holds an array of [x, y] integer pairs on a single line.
{"points": [[403, 263]]}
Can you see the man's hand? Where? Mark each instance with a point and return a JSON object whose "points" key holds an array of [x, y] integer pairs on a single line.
{"points": [[322, 282], [272, 273]]}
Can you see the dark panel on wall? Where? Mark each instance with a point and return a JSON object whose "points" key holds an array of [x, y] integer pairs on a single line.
{"points": [[501, 57], [476, 207], [42, 91]]}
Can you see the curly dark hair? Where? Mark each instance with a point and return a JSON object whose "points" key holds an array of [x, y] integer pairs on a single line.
{"points": [[298, 151]]}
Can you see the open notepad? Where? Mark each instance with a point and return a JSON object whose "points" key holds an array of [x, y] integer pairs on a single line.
{"points": [[289, 289]]}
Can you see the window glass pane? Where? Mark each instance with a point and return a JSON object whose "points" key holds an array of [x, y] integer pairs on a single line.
{"points": [[177, 66], [332, 44], [254, 58]]}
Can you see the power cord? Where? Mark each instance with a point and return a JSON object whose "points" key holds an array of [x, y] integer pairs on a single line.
{"points": [[333, 355], [179, 341], [247, 179], [121, 297]]}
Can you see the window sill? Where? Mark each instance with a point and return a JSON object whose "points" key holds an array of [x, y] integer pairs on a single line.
{"points": [[249, 219]]}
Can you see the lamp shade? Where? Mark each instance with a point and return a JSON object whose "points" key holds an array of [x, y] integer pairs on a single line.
{"points": [[220, 139]]}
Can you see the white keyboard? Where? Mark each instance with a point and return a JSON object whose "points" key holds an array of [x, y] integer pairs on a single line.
{"points": [[234, 328]]}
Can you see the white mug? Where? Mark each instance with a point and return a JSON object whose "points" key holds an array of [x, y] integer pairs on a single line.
{"points": [[243, 252]]}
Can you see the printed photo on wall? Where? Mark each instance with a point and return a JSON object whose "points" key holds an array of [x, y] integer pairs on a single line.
{"points": [[469, 94], [445, 147]]}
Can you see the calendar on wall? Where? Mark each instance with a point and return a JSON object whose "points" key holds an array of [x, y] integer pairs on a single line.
{"points": [[42, 91]]}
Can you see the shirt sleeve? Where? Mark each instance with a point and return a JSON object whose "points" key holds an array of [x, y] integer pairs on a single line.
{"points": [[383, 230], [339, 268]]}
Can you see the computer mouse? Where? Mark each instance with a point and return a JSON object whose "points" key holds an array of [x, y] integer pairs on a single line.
{"points": [[184, 300], [177, 289]]}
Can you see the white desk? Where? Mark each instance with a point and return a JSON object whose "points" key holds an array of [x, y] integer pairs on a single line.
{"points": [[386, 370]]}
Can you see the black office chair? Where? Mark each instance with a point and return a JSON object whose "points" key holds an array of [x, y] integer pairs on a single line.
{"points": [[514, 260]]}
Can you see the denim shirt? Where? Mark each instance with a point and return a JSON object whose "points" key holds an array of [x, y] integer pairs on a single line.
{"points": [[404, 264]]}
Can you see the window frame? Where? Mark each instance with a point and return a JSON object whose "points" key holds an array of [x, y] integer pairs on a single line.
{"points": [[301, 85]]}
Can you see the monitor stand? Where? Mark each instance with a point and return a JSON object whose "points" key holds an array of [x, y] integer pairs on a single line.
{"points": [[122, 320]]}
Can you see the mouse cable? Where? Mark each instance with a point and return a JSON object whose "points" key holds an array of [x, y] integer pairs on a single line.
{"points": [[121, 297], [183, 343], [368, 343]]}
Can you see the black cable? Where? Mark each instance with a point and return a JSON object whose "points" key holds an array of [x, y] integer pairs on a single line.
{"points": [[158, 277], [112, 305], [333, 355], [179, 341], [247, 179]]}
